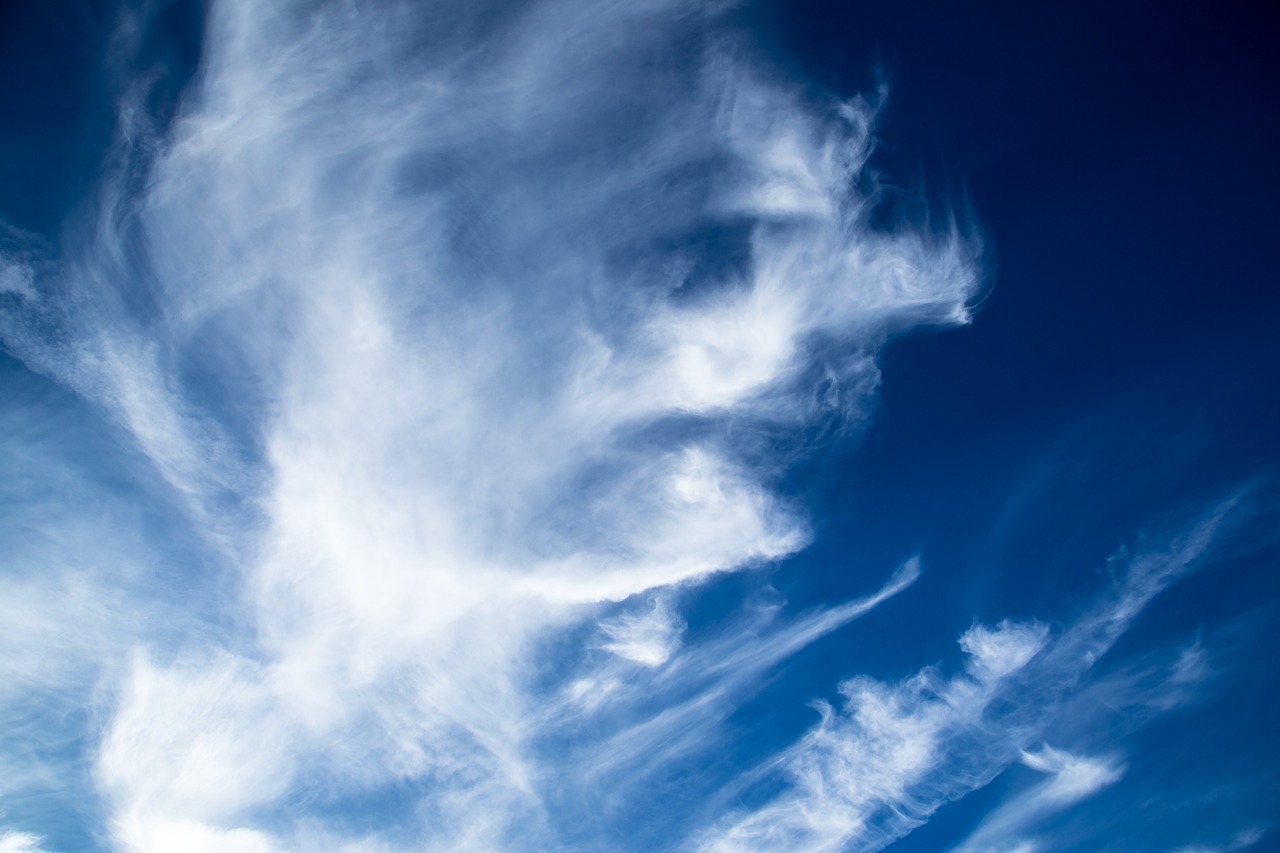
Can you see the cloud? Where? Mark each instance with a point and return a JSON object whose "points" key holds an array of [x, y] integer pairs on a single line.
{"points": [[408, 316], [415, 342], [649, 726], [995, 653], [882, 763], [17, 279], [1072, 778], [1242, 840], [854, 778], [20, 842], [648, 639]]}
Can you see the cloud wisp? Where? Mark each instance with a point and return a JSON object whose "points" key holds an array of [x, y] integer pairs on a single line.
{"points": [[1072, 778], [879, 766]]}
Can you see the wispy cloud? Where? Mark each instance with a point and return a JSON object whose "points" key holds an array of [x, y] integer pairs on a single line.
{"points": [[1242, 840], [20, 842], [1072, 778], [881, 764], [442, 354], [412, 321], [647, 638]]}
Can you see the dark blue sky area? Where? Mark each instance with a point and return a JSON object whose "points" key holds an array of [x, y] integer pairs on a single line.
{"points": [[60, 73], [1120, 165]]}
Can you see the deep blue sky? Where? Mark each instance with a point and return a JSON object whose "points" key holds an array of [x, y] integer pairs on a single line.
{"points": [[1118, 163], [1121, 161]]}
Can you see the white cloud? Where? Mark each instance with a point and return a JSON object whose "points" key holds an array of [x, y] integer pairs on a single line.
{"points": [[1248, 837], [397, 321], [20, 842], [648, 638], [195, 741], [18, 279], [703, 684], [994, 653], [1072, 779], [860, 776], [150, 834], [879, 766]]}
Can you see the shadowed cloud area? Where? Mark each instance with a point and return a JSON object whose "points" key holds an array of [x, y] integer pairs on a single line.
{"points": [[472, 427]]}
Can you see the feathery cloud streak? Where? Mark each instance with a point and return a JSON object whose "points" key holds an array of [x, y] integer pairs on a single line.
{"points": [[893, 754], [412, 316]]}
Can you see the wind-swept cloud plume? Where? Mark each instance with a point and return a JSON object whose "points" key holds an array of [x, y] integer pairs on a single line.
{"points": [[413, 322]]}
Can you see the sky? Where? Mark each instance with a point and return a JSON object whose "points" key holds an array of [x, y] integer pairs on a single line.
{"points": [[694, 426]]}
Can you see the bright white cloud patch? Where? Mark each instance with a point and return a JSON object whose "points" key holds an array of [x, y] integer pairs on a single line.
{"points": [[20, 842], [996, 653], [647, 638], [415, 359], [1072, 778]]}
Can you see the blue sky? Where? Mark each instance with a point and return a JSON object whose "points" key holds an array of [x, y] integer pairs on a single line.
{"points": [[653, 426]]}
